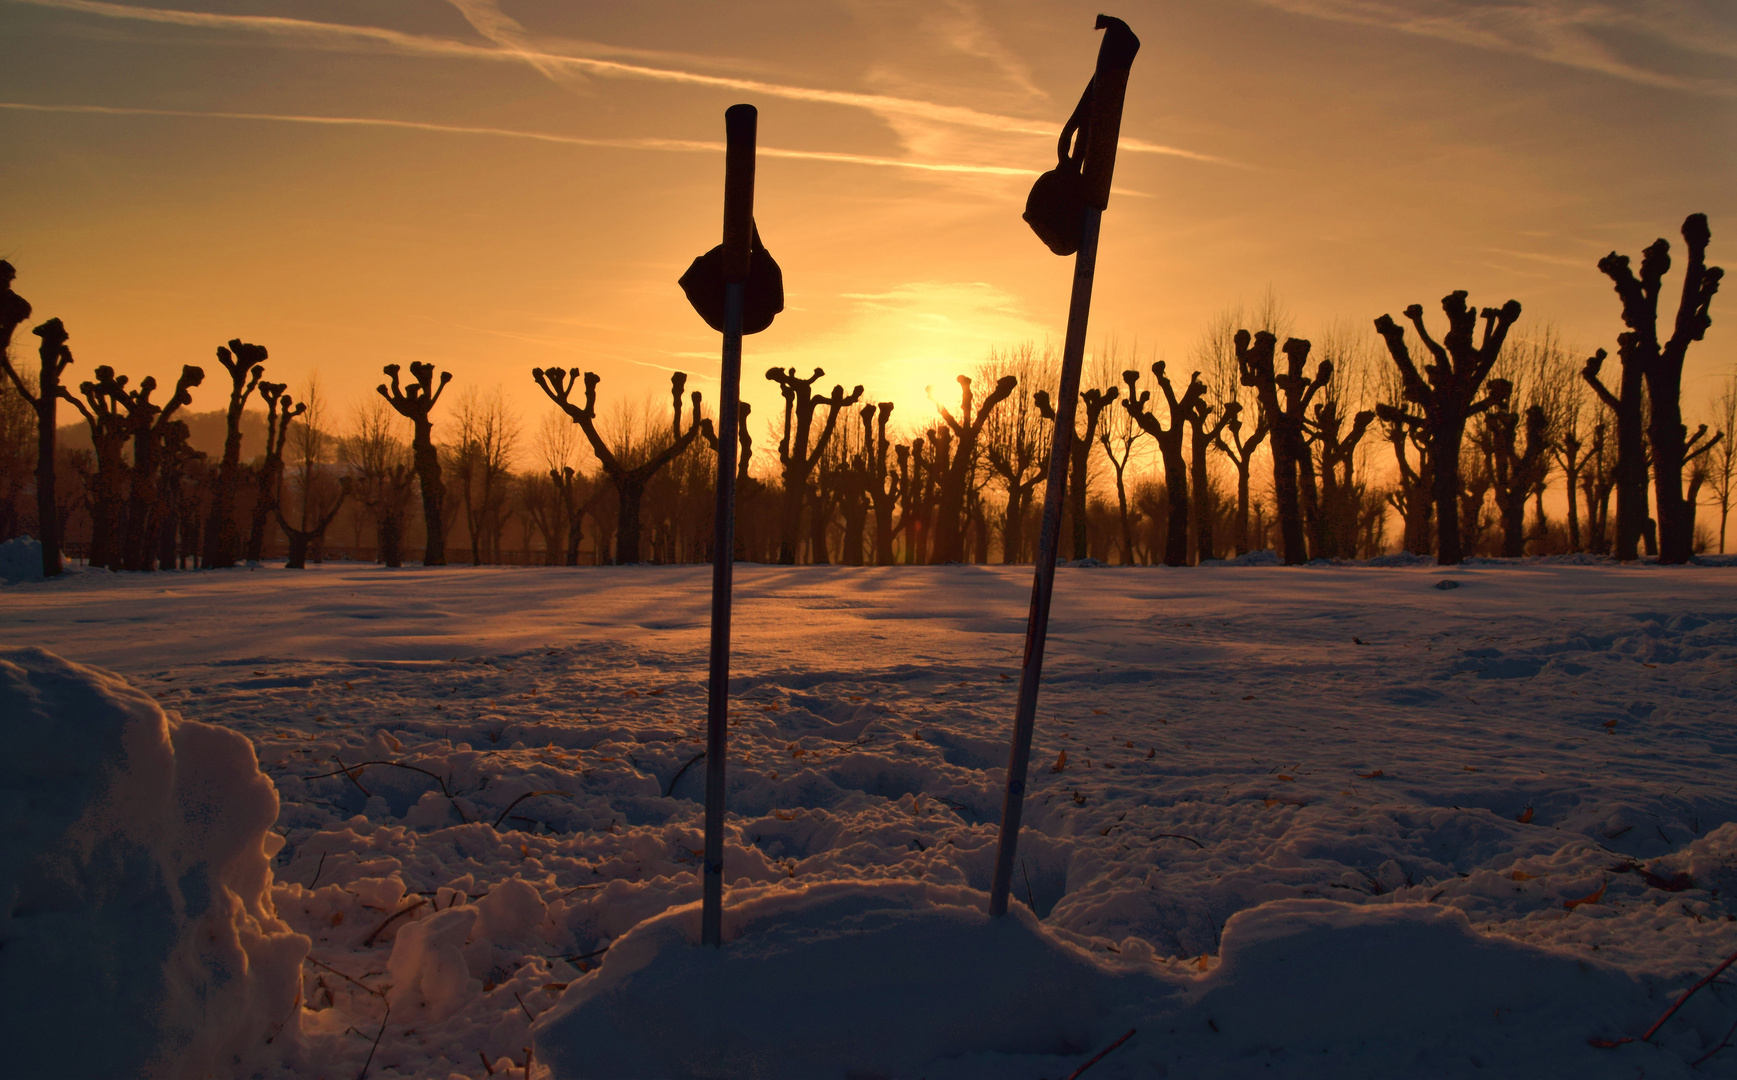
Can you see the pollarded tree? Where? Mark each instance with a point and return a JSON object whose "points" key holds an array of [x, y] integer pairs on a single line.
{"points": [[966, 428], [1206, 425], [147, 424], [280, 409], [1341, 495], [245, 364], [1447, 393], [1293, 468], [1169, 441], [1079, 463], [883, 481], [631, 465], [1518, 472], [105, 487], [1661, 364], [415, 401], [43, 400], [794, 451], [1013, 443]]}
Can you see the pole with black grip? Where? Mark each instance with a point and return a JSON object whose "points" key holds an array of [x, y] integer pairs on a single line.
{"points": [[736, 288], [1064, 209]]}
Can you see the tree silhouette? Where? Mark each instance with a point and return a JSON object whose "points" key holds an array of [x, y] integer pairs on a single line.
{"points": [[55, 358], [1341, 497], [147, 424], [415, 400], [1293, 469], [1169, 441], [1518, 472], [883, 479], [108, 435], [629, 480], [965, 428], [1447, 393], [1079, 457], [1203, 433], [794, 454], [244, 362], [1661, 364], [280, 409]]}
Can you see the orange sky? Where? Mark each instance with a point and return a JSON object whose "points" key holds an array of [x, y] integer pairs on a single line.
{"points": [[520, 183]]}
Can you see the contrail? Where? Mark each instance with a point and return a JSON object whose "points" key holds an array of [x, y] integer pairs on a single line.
{"points": [[879, 104], [679, 145]]}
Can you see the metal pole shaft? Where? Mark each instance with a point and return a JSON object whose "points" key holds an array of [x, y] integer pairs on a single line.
{"points": [[1037, 625], [723, 565]]}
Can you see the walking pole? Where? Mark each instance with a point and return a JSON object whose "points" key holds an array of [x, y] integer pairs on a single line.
{"points": [[1064, 210], [736, 288]]}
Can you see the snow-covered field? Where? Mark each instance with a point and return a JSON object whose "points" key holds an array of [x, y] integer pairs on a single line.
{"points": [[1522, 787]]}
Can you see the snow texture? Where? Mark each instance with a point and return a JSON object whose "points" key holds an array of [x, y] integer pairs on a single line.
{"points": [[1317, 821], [135, 886]]}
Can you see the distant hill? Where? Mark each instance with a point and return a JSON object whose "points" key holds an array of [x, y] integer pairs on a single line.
{"points": [[205, 431]]}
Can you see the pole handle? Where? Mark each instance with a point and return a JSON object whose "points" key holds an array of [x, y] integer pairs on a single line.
{"points": [[1109, 87], [740, 126]]}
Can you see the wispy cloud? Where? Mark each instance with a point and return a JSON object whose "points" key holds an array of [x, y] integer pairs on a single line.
{"points": [[883, 105], [1594, 35], [678, 145]]}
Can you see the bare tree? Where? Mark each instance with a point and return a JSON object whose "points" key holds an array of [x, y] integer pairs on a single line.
{"points": [[486, 435], [414, 401], [637, 457], [244, 363], [1169, 440], [795, 451], [106, 484], [1446, 392], [147, 424], [1722, 468], [1661, 363], [1293, 468], [381, 477], [310, 447], [280, 409], [959, 473], [1013, 442], [1096, 401], [44, 400], [1118, 433]]}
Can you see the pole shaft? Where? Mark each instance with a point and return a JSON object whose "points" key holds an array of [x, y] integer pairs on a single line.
{"points": [[723, 566], [1043, 584]]}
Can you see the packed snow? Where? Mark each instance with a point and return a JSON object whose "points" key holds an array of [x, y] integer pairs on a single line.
{"points": [[1311, 822]]}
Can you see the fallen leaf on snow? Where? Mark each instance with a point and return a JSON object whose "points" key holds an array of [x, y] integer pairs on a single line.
{"points": [[1061, 762], [1525, 817], [1372, 775], [1591, 898]]}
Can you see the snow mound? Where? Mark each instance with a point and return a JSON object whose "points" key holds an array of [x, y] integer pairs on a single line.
{"points": [[844, 979], [135, 884], [21, 560], [1316, 988]]}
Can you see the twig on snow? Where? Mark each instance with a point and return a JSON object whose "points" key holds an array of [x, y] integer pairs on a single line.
{"points": [[1030, 898], [392, 918], [526, 1011], [1178, 836], [363, 1075], [318, 868], [1687, 994], [353, 769], [343, 976], [1723, 1043], [670, 790], [522, 798], [1607, 1044], [1101, 1054], [489, 1068], [349, 775]]}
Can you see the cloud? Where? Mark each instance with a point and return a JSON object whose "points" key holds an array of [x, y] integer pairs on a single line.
{"points": [[883, 105], [1612, 38], [679, 145]]}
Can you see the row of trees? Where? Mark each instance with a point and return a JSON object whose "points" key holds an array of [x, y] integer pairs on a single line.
{"points": [[1271, 441]]}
